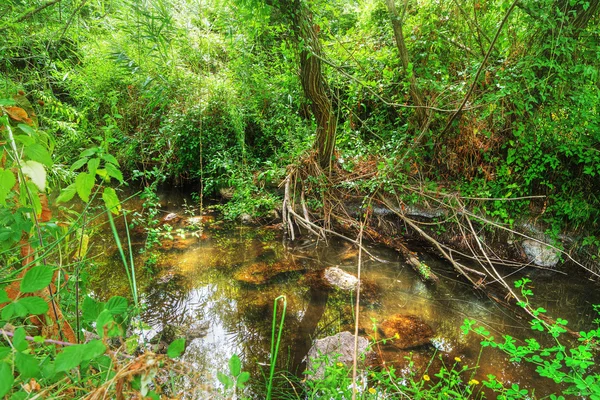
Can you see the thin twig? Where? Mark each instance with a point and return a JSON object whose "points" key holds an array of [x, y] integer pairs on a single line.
{"points": [[462, 105], [357, 312]]}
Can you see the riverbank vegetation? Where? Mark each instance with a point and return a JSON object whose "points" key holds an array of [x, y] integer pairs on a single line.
{"points": [[470, 125]]}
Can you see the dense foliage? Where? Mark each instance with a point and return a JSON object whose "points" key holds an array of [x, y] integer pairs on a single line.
{"points": [[490, 99]]}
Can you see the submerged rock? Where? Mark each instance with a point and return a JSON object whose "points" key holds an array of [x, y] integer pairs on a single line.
{"points": [[262, 272], [198, 220], [170, 219], [406, 331], [340, 279], [338, 348], [540, 254]]}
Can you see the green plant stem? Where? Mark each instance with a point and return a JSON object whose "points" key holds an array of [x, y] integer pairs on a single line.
{"points": [[275, 346], [132, 285]]}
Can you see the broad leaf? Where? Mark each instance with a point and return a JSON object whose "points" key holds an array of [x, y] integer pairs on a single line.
{"points": [[106, 320], [27, 129], [225, 380], [176, 348], [27, 365], [19, 341], [89, 152], [36, 172], [79, 163], [67, 194], [69, 358], [7, 182], [37, 152], [93, 165], [117, 305], [114, 172], [235, 365], [34, 305], [38, 277], [93, 349], [6, 378], [109, 158], [84, 183], [91, 309], [242, 379], [4, 296], [111, 200]]}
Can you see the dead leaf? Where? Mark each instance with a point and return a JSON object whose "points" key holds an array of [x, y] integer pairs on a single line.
{"points": [[18, 114]]}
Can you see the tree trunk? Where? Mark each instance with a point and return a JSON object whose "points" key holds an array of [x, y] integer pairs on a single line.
{"points": [[313, 84], [415, 93], [315, 90]]}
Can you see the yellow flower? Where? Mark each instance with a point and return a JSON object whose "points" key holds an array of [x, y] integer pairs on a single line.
{"points": [[340, 364], [457, 359], [372, 391], [473, 382], [426, 377], [396, 336]]}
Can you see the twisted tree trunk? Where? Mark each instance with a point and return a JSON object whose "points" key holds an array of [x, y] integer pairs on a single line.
{"points": [[313, 83]]}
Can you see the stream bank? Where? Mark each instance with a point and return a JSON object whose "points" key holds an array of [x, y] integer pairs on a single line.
{"points": [[216, 288]]}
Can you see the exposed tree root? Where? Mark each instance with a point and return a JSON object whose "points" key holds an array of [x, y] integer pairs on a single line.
{"points": [[336, 195]]}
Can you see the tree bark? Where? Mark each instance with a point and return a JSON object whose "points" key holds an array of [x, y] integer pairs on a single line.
{"points": [[313, 83], [415, 93]]}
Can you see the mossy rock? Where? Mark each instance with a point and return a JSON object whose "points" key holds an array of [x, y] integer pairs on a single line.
{"points": [[261, 272], [406, 331]]}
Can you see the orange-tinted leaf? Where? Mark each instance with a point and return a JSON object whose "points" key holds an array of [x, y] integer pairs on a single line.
{"points": [[18, 114]]}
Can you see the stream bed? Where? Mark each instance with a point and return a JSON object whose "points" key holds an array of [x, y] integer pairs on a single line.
{"points": [[214, 284]]}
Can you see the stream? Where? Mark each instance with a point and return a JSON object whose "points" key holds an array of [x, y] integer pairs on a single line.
{"points": [[210, 286]]}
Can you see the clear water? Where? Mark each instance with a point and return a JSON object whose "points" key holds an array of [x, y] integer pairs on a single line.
{"points": [[195, 287]]}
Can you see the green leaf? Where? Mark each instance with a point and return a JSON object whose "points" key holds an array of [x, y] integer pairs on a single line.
{"points": [[7, 312], [69, 358], [91, 309], [35, 305], [89, 152], [114, 171], [93, 165], [19, 309], [117, 305], [242, 379], [84, 183], [111, 200], [106, 322], [4, 351], [6, 378], [225, 380], [235, 365], [24, 140], [93, 349], [4, 296], [109, 159], [7, 182], [36, 172], [19, 341], [38, 277], [7, 102], [37, 152], [104, 318], [27, 129], [176, 348], [79, 163], [67, 194], [27, 365]]}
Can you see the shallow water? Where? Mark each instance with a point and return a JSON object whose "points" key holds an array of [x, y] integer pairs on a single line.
{"points": [[194, 287]]}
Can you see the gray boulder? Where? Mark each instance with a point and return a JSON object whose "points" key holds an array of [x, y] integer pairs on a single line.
{"points": [[338, 348], [540, 254], [338, 278]]}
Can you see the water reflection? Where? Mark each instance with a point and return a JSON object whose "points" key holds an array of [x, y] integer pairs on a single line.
{"points": [[195, 291]]}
